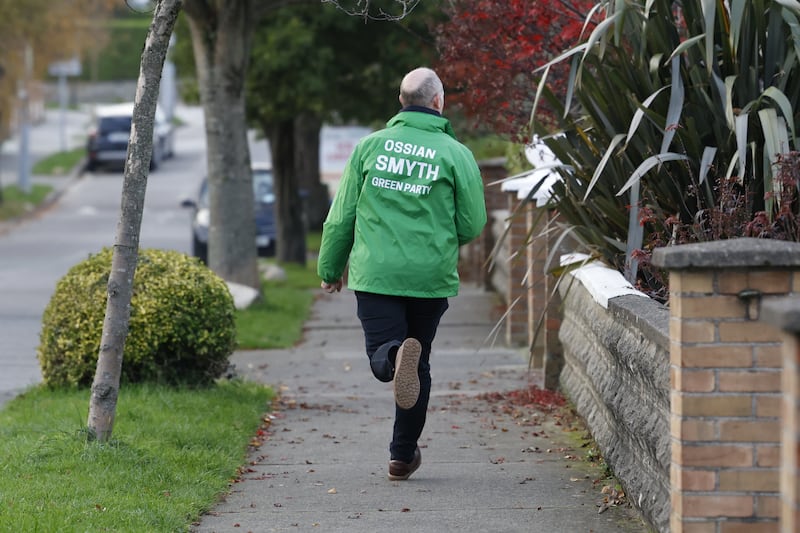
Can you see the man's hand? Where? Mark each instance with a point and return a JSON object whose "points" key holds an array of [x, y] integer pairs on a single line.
{"points": [[330, 288]]}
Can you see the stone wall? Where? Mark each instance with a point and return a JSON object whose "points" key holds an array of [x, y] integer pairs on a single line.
{"points": [[616, 372]]}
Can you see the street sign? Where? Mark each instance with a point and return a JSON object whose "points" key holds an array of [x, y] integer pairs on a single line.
{"points": [[69, 67]]}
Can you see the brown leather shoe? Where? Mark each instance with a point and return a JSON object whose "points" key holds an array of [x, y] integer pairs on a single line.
{"points": [[406, 374], [399, 471]]}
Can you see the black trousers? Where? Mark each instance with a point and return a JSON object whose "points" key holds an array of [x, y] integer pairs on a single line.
{"points": [[387, 321]]}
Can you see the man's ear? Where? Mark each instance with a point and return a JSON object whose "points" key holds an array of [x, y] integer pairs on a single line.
{"points": [[438, 103]]}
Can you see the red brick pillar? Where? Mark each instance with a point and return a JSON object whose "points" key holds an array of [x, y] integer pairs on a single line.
{"points": [[536, 282], [553, 351], [516, 242], [474, 256], [725, 368], [785, 313]]}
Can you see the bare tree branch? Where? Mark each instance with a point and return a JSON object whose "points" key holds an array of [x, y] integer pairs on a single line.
{"points": [[367, 9]]}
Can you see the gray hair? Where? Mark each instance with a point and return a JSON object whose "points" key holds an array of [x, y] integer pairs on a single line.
{"points": [[419, 87]]}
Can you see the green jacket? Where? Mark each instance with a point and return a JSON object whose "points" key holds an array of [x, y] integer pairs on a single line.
{"points": [[410, 195]]}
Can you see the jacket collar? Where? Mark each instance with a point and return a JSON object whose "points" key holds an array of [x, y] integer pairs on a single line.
{"points": [[422, 118], [421, 109]]}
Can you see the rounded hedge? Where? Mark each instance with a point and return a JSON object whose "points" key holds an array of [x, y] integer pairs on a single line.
{"points": [[182, 325]]}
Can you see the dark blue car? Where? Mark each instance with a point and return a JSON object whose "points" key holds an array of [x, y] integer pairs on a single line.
{"points": [[107, 142], [264, 213]]}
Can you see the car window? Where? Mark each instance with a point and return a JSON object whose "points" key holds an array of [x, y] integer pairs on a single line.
{"points": [[109, 124], [263, 186]]}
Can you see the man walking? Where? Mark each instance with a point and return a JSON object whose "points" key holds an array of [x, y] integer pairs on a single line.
{"points": [[410, 195]]}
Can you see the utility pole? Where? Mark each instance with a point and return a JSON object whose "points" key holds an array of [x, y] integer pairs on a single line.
{"points": [[2, 73], [24, 123]]}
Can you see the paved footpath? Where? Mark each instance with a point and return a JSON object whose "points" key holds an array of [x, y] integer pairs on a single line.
{"points": [[487, 465]]}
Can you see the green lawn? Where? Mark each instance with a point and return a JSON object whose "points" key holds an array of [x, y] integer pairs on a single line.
{"points": [[174, 451], [277, 320], [59, 163], [15, 203]]}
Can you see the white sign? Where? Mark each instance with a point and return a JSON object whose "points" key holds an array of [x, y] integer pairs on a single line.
{"points": [[70, 67], [336, 145]]}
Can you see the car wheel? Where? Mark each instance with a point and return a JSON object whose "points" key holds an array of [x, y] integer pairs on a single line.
{"points": [[267, 251]]}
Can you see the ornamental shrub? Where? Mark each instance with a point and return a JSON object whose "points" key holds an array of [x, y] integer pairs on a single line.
{"points": [[181, 328], [669, 99]]}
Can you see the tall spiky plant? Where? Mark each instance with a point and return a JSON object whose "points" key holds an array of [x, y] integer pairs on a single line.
{"points": [[663, 95]]}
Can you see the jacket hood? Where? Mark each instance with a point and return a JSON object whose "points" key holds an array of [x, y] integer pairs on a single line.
{"points": [[422, 121]]}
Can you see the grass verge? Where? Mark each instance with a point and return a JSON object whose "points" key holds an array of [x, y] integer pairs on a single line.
{"points": [[15, 203], [173, 452], [277, 320], [59, 163]]}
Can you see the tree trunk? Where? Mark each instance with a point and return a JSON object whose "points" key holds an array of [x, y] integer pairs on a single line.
{"points": [[105, 388], [1, 155], [316, 199], [288, 207], [221, 38]]}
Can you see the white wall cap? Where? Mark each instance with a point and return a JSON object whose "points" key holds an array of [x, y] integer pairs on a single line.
{"points": [[602, 282], [543, 161]]}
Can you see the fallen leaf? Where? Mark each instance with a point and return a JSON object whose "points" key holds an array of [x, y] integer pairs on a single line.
{"points": [[613, 498]]}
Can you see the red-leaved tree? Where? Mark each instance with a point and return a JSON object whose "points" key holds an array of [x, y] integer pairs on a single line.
{"points": [[489, 50]]}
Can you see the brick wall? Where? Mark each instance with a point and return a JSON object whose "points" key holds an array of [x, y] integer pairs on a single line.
{"points": [[553, 351], [517, 294], [536, 282], [474, 256], [513, 237], [531, 314], [785, 313], [725, 372]]}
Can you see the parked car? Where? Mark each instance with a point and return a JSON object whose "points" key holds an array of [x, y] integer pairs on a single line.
{"points": [[110, 131], [264, 210]]}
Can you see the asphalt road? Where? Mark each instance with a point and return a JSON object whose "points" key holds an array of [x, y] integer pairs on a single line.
{"points": [[36, 253]]}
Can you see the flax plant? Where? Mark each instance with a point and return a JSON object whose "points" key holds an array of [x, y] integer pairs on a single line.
{"points": [[665, 97]]}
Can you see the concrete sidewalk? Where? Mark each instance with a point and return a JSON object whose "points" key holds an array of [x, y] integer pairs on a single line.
{"points": [[487, 465]]}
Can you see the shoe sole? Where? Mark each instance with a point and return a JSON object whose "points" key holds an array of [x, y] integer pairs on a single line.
{"points": [[406, 377]]}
